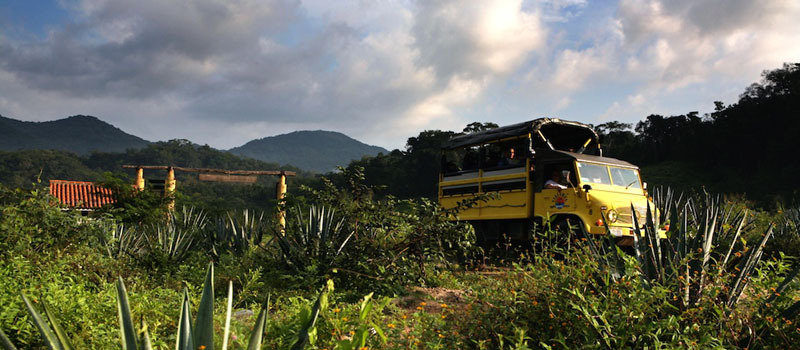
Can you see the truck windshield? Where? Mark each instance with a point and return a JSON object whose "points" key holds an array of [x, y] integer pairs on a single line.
{"points": [[594, 173], [628, 178]]}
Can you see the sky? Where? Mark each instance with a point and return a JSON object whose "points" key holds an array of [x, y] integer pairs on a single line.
{"points": [[223, 72]]}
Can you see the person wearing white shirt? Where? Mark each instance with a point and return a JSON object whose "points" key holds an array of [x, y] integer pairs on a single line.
{"points": [[555, 181]]}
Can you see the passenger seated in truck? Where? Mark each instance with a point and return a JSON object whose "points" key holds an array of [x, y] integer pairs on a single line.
{"points": [[555, 181], [510, 158]]}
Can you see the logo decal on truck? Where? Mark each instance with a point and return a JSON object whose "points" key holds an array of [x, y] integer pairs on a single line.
{"points": [[560, 201]]}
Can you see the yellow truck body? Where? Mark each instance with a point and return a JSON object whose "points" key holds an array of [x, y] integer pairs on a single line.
{"points": [[597, 187]]}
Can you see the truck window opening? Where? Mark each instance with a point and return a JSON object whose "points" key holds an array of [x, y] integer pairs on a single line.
{"points": [[594, 173]]}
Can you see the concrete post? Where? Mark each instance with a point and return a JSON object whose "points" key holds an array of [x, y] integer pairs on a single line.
{"points": [[169, 187], [140, 179], [280, 190]]}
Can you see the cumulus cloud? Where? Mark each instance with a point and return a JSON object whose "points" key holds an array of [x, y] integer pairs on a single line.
{"points": [[684, 42], [475, 38], [277, 64], [224, 72]]}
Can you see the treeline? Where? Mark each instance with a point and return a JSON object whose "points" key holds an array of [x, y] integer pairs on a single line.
{"points": [[744, 147], [22, 168]]}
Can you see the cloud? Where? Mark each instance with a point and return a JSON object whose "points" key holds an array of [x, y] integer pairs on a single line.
{"points": [[684, 42], [475, 38], [224, 72], [279, 63]]}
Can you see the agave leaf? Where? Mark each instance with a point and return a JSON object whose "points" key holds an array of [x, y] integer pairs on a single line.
{"points": [[650, 231], [144, 336], [733, 242], [5, 342], [365, 308], [380, 332], [752, 259], [258, 329], [227, 330], [50, 338], [307, 330], [62, 336], [184, 338], [127, 334], [204, 323]]}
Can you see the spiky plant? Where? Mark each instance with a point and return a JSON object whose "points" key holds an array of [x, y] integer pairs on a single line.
{"points": [[175, 238], [239, 231], [703, 245], [192, 333], [317, 238], [121, 240]]}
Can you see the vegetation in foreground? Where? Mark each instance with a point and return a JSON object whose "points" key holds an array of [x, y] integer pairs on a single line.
{"points": [[717, 282]]}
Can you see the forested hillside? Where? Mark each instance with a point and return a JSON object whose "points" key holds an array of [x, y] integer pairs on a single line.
{"points": [[80, 134], [319, 151], [20, 169]]}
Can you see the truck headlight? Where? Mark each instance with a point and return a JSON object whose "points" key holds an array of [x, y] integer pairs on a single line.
{"points": [[612, 215]]}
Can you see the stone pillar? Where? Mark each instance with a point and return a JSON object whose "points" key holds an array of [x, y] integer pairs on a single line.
{"points": [[169, 187], [280, 191], [140, 179]]}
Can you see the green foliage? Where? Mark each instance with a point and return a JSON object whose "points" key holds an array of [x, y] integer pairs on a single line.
{"points": [[314, 241], [172, 241], [192, 333], [239, 231], [394, 242], [409, 173], [163, 243], [31, 221], [20, 168], [742, 291], [132, 206]]}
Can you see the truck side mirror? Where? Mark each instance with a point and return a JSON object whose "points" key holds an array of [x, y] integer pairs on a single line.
{"points": [[587, 188], [644, 185]]}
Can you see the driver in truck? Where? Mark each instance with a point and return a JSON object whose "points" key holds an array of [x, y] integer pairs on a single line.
{"points": [[555, 181]]}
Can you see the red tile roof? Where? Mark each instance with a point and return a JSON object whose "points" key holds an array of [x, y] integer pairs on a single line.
{"points": [[81, 194]]}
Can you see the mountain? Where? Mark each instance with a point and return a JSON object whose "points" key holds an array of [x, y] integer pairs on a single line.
{"points": [[80, 134], [318, 151]]}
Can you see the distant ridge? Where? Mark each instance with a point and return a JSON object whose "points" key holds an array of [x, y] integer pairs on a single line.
{"points": [[319, 151], [81, 134]]}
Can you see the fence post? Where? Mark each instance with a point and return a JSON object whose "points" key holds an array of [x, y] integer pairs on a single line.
{"points": [[169, 188], [140, 179], [280, 190]]}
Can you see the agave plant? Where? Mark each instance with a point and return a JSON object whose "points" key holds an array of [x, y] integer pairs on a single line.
{"points": [[193, 333], [319, 238], [238, 232], [702, 244], [121, 240], [790, 222], [175, 238]]}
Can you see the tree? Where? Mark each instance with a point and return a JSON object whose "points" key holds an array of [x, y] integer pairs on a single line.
{"points": [[478, 126]]}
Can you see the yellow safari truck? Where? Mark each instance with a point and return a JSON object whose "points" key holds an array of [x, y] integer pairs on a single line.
{"points": [[542, 170]]}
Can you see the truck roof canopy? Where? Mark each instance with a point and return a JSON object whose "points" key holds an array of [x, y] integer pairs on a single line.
{"points": [[552, 133]]}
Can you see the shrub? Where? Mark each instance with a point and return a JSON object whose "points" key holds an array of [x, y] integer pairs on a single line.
{"points": [[32, 221]]}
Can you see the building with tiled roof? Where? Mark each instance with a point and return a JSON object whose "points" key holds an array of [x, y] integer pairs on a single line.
{"points": [[81, 195]]}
